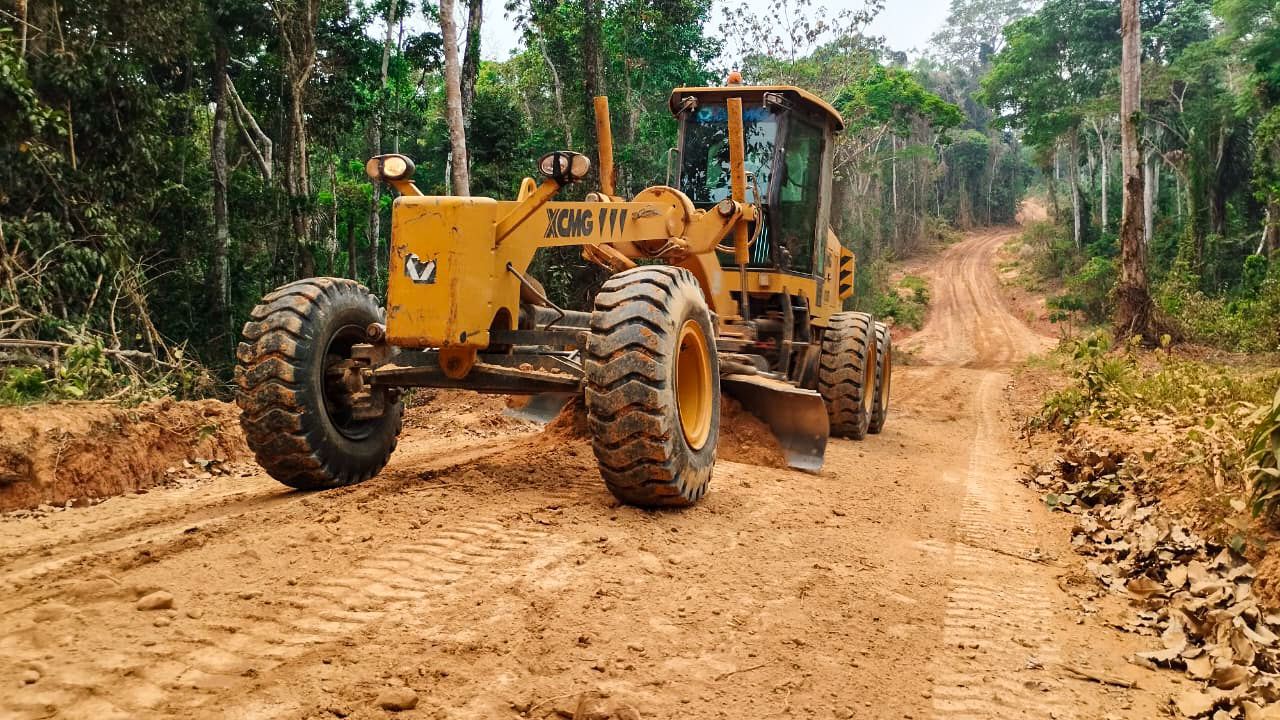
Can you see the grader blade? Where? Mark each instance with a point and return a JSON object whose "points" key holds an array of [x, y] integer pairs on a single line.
{"points": [[541, 408], [797, 417]]}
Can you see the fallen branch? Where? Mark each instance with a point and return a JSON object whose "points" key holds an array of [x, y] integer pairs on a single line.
{"points": [[55, 346], [724, 675], [1099, 678], [529, 712], [1019, 556]]}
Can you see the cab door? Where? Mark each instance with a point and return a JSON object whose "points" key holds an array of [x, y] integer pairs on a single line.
{"points": [[800, 197]]}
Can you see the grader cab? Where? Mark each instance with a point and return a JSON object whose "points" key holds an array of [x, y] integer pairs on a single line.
{"points": [[730, 279]]}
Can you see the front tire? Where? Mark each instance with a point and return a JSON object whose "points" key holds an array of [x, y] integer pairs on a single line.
{"points": [[846, 376], [653, 387], [293, 416]]}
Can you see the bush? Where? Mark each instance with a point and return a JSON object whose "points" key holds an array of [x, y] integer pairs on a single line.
{"points": [[1248, 321], [86, 370], [906, 308], [1109, 384], [1054, 255], [1090, 288], [1263, 457]]}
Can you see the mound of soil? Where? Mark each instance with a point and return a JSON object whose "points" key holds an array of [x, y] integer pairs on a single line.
{"points": [[50, 454], [744, 438], [452, 412]]}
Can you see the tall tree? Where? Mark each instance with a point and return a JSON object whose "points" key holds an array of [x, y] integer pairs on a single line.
{"points": [[1133, 298], [459, 177], [1254, 26], [593, 63], [471, 56], [296, 22], [375, 145], [219, 264]]}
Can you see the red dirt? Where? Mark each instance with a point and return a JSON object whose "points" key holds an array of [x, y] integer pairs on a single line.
{"points": [[744, 438], [50, 454]]}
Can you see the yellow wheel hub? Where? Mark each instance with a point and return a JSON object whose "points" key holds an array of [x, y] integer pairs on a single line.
{"points": [[869, 376], [693, 385], [887, 377]]}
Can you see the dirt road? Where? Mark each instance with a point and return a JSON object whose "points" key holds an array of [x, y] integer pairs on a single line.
{"points": [[488, 571]]}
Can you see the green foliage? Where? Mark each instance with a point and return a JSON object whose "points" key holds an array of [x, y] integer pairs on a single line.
{"points": [[894, 98], [1244, 321], [87, 370], [906, 303], [1263, 459], [22, 385], [1053, 62], [1090, 288], [1111, 385]]}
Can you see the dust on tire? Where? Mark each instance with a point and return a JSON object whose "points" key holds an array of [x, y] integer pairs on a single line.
{"points": [[632, 405], [846, 373], [298, 437]]}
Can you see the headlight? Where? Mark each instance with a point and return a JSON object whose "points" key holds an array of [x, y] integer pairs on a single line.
{"points": [[564, 167], [389, 167]]}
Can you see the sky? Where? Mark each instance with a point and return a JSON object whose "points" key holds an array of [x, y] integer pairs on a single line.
{"points": [[906, 24]]}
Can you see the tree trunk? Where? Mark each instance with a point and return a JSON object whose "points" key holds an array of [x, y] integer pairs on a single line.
{"points": [[333, 208], [1271, 233], [593, 71], [471, 56], [557, 93], [22, 30], [1052, 182], [1150, 196], [299, 182], [1106, 169], [893, 158], [374, 232], [1073, 177], [1133, 298], [351, 249], [297, 21], [995, 154], [219, 266], [459, 178]]}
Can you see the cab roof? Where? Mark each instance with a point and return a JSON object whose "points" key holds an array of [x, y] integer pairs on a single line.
{"points": [[803, 98]]}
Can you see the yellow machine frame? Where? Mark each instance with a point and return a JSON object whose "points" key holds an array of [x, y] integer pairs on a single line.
{"points": [[458, 264]]}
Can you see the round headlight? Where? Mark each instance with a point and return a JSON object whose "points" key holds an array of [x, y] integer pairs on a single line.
{"points": [[564, 167], [389, 167], [394, 167]]}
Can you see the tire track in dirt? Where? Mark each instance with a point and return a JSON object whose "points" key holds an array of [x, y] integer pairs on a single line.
{"points": [[969, 325], [997, 615], [220, 511], [998, 621], [212, 659]]}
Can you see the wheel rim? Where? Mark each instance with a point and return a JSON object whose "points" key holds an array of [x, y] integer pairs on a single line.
{"points": [[869, 379], [332, 389], [693, 385]]}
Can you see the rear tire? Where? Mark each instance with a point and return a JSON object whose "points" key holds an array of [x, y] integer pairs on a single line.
{"points": [[884, 379], [653, 387], [299, 435], [846, 376]]}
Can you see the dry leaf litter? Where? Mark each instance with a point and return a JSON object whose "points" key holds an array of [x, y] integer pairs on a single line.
{"points": [[1194, 596]]}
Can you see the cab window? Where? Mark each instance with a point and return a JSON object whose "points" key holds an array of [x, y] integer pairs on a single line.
{"points": [[799, 195], [704, 160], [704, 171]]}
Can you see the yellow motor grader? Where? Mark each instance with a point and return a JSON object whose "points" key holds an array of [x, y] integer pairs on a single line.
{"points": [[729, 279]]}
